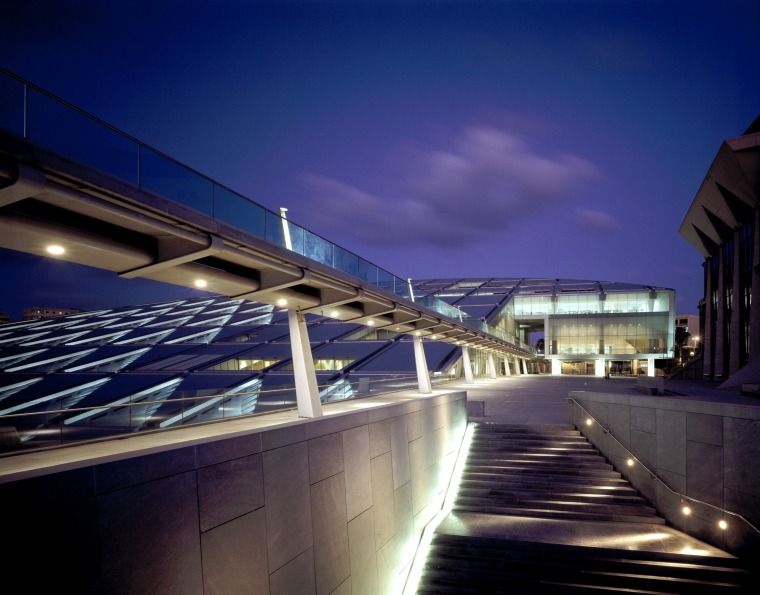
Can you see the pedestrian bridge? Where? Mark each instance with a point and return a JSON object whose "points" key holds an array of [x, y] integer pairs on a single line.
{"points": [[75, 188]]}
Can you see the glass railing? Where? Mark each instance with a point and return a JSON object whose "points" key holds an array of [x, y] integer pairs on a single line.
{"points": [[59, 424], [44, 119]]}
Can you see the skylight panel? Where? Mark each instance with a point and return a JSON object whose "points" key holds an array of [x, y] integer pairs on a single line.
{"points": [[88, 386], [20, 338], [51, 364], [53, 340], [12, 389], [156, 393], [219, 321], [109, 364], [256, 320], [229, 310], [171, 322], [149, 339], [203, 337], [98, 339], [130, 323], [9, 360]]}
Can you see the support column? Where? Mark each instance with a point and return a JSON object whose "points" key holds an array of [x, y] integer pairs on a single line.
{"points": [[556, 367], [735, 341], [423, 375], [518, 368], [650, 366], [599, 367], [507, 371], [491, 366], [754, 306], [307, 391], [720, 331], [707, 335], [468, 379]]}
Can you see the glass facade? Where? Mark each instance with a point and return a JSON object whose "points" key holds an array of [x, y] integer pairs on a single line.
{"points": [[626, 325]]}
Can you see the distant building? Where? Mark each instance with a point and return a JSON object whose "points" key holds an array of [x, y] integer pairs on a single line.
{"points": [[723, 223], [40, 312], [690, 324], [596, 328], [4, 318]]}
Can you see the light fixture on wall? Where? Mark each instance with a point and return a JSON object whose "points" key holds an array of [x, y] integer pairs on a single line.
{"points": [[55, 249]]}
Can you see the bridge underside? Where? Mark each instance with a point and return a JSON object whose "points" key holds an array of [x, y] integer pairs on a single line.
{"points": [[104, 222]]}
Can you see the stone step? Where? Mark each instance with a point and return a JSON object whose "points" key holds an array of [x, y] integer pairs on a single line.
{"points": [[498, 469], [556, 504], [537, 459], [622, 488], [485, 508], [531, 494], [458, 564]]}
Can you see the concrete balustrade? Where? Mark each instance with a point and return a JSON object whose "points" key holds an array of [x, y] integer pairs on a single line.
{"points": [[335, 504], [702, 449]]}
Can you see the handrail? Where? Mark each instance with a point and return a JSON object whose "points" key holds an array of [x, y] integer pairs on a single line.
{"points": [[304, 242], [656, 477]]}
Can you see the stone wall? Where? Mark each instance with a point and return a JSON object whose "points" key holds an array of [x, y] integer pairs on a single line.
{"points": [[333, 505], [704, 450]]}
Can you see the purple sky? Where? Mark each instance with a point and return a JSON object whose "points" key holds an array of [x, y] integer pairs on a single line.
{"points": [[523, 138]]}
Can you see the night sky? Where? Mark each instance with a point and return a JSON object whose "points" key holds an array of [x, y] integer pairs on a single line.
{"points": [[437, 139]]}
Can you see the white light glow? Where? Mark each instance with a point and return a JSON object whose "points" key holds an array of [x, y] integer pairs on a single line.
{"points": [[589, 421], [723, 525], [282, 302], [370, 323], [55, 249], [334, 314], [629, 462], [686, 510], [200, 283]]}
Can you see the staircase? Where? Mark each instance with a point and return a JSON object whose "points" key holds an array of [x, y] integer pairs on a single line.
{"points": [[525, 495]]}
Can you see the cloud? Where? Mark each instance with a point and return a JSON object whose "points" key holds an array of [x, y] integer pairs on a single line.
{"points": [[594, 221], [485, 182]]}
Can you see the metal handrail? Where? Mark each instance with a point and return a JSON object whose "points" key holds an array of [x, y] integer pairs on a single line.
{"points": [[656, 477]]}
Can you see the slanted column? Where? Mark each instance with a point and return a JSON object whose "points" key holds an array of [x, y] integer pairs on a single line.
{"points": [[423, 376], [507, 371], [491, 366], [307, 391], [518, 367], [468, 379]]}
